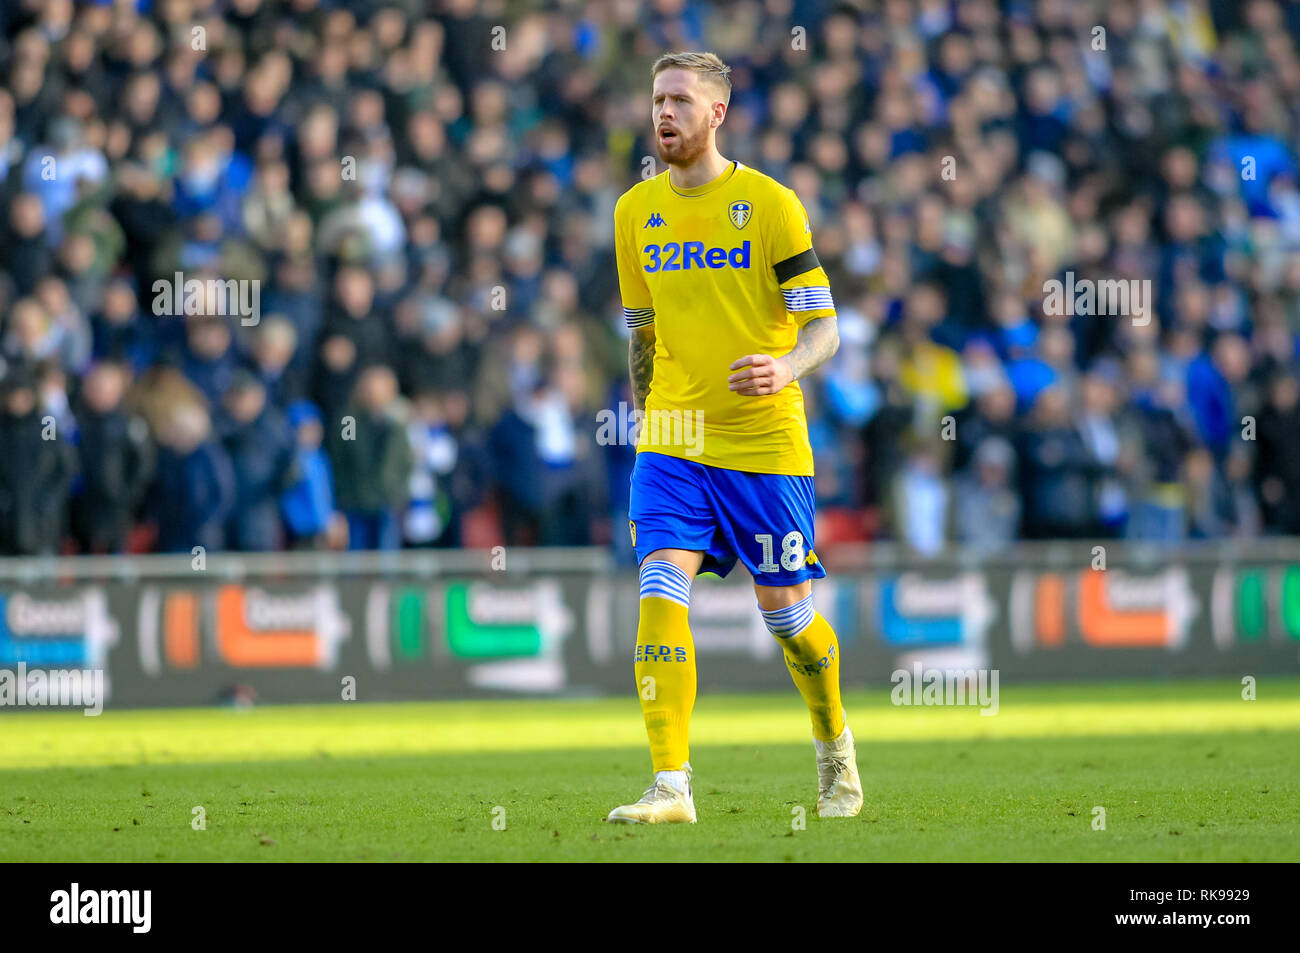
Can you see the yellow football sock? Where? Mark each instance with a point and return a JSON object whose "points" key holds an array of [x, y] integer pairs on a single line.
{"points": [[813, 656], [665, 663]]}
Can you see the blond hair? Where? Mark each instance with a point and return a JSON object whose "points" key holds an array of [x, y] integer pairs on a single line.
{"points": [[706, 64]]}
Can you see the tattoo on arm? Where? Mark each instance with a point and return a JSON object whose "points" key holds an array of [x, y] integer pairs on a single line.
{"points": [[818, 340], [641, 363]]}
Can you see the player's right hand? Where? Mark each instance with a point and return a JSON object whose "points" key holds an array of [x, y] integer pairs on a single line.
{"points": [[759, 374]]}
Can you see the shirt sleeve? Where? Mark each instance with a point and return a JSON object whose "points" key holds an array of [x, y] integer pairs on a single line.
{"points": [[803, 282], [638, 308]]}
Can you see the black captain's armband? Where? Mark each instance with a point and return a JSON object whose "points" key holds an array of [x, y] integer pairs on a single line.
{"points": [[796, 265]]}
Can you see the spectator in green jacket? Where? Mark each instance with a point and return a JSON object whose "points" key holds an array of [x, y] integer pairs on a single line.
{"points": [[372, 461]]}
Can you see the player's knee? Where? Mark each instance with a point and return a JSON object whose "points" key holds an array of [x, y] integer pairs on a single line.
{"points": [[687, 560], [779, 597], [788, 621]]}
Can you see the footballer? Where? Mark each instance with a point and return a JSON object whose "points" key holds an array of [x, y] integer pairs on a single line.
{"points": [[727, 308]]}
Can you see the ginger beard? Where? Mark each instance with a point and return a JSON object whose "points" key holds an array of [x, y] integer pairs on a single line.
{"points": [[684, 148]]}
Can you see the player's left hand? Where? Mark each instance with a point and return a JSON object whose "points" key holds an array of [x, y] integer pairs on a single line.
{"points": [[759, 374]]}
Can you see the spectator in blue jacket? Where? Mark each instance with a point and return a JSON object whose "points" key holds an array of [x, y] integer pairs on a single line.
{"points": [[261, 451], [194, 488], [308, 503], [1210, 381], [209, 358]]}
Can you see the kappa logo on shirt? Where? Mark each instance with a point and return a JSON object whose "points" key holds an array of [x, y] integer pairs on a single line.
{"points": [[655, 221]]}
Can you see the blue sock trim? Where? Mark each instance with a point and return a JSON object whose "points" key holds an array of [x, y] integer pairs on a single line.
{"points": [[663, 580], [790, 621]]}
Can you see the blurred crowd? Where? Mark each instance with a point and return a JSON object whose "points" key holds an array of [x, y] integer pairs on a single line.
{"points": [[422, 192]]}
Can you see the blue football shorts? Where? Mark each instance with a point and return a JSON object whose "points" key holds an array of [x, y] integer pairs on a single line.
{"points": [[763, 519]]}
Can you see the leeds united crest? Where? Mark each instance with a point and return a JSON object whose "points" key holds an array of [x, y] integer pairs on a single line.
{"points": [[739, 213]]}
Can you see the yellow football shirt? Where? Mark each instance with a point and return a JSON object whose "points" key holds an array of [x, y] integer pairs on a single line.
{"points": [[722, 270]]}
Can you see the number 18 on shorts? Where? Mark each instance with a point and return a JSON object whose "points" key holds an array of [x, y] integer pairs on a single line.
{"points": [[764, 520]]}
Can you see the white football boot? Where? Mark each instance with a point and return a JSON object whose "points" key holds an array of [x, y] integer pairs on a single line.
{"points": [[839, 789], [662, 803]]}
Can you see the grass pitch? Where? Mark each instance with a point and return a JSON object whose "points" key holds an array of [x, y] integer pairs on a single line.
{"points": [[1185, 771]]}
